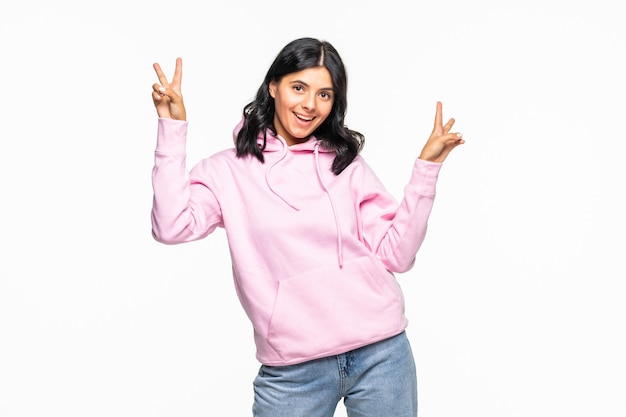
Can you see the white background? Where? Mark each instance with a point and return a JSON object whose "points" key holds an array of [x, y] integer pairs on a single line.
{"points": [[516, 301]]}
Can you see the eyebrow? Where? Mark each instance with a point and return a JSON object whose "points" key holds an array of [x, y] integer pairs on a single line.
{"points": [[302, 82]]}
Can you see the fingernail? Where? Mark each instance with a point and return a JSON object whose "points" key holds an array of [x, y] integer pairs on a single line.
{"points": [[162, 90], [459, 135]]}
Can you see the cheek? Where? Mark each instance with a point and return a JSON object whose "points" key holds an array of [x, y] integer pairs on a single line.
{"points": [[283, 103], [325, 110]]}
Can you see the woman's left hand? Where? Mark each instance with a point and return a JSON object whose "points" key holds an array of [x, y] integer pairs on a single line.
{"points": [[441, 141]]}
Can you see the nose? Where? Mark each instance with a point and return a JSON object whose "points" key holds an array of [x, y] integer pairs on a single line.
{"points": [[308, 102]]}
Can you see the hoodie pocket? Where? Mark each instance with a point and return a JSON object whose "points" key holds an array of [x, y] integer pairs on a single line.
{"points": [[327, 310]]}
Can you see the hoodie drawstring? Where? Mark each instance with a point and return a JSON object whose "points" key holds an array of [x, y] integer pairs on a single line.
{"points": [[267, 174], [332, 205], [324, 187]]}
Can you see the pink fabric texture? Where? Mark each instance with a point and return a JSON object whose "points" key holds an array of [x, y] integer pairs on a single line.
{"points": [[313, 253]]}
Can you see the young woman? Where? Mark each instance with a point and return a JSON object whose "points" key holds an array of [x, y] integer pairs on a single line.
{"points": [[314, 236]]}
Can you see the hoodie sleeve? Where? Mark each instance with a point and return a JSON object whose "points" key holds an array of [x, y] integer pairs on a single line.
{"points": [[183, 209], [395, 232]]}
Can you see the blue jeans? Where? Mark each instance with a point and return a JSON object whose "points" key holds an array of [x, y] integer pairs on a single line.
{"points": [[378, 380]]}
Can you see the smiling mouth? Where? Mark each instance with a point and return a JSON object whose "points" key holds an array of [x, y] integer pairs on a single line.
{"points": [[306, 119]]}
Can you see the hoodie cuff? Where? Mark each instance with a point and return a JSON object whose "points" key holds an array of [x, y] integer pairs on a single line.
{"points": [[171, 135], [425, 174]]}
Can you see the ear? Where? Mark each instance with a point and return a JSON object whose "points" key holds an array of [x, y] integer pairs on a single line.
{"points": [[272, 89]]}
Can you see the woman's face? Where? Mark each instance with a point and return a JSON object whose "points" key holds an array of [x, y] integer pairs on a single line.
{"points": [[303, 100]]}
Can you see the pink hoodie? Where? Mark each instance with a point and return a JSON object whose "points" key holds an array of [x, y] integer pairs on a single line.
{"points": [[313, 254]]}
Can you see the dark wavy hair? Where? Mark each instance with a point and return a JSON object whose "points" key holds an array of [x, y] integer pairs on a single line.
{"points": [[333, 134]]}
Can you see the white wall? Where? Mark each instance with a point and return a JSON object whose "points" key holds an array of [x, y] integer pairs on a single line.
{"points": [[516, 300]]}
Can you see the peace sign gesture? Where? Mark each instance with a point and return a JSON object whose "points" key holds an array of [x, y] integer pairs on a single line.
{"points": [[167, 96], [441, 141]]}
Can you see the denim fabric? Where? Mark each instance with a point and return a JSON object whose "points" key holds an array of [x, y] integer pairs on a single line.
{"points": [[378, 380]]}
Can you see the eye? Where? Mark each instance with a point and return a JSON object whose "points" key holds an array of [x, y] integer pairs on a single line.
{"points": [[298, 87], [326, 95]]}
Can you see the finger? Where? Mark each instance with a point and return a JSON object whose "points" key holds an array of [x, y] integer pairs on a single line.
{"points": [[158, 88], [448, 125], [160, 75], [451, 138], [169, 92], [178, 72], [456, 136], [449, 148], [438, 116]]}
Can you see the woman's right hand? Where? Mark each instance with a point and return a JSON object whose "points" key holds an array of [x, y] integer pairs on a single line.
{"points": [[167, 96]]}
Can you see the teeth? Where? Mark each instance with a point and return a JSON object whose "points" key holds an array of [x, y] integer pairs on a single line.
{"points": [[304, 118]]}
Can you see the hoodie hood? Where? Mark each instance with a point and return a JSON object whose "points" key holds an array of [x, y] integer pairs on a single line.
{"points": [[276, 143]]}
